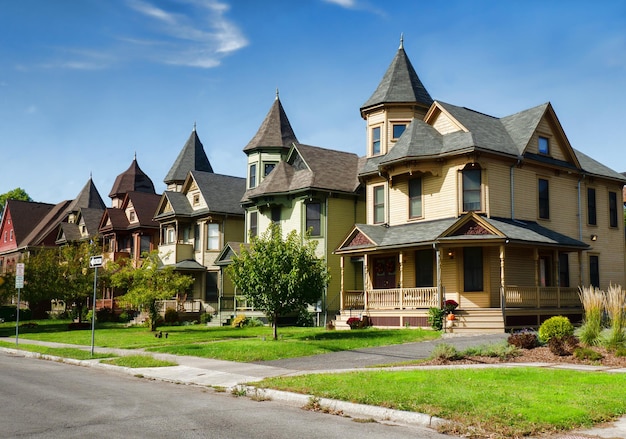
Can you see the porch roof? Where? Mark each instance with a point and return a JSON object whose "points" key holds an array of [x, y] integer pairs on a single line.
{"points": [[446, 231]]}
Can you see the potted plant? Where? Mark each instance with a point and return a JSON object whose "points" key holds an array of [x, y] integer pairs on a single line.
{"points": [[354, 322], [448, 307]]}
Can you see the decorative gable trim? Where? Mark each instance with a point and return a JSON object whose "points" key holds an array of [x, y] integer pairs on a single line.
{"points": [[471, 224], [442, 120]]}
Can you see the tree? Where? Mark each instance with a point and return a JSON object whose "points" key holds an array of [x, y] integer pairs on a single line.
{"points": [[42, 274], [279, 276], [15, 194], [148, 284]]}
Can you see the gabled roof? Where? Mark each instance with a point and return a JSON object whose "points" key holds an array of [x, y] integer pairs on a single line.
{"points": [[191, 158], [113, 219], [467, 227], [25, 215], [275, 131], [225, 256], [145, 206], [132, 180], [71, 232], [220, 192], [311, 168], [45, 231], [400, 84], [88, 197], [177, 201]]}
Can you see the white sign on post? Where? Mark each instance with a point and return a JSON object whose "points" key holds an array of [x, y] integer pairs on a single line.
{"points": [[95, 261], [19, 275]]}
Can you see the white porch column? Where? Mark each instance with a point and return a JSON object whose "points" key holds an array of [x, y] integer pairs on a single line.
{"points": [[366, 280], [438, 263], [341, 287], [502, 278], [400, 263]]}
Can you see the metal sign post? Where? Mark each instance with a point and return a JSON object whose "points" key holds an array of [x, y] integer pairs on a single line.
{"points": [[19, 284], [94, 262]]}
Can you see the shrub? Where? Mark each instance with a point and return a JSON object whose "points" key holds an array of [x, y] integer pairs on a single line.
{"points": [[587, 354], [563, 346], [620, 352], [503, 351], [593, 303], [206, 317], [239, 321], [105, 315], [126, 316], [445, 352], [171, 316], [557, 326], [253, 322], [304, 318], [524, 339], [615, 303], [435, 318]]}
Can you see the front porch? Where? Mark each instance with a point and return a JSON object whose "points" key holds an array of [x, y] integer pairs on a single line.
{"points": [[520, 307]]}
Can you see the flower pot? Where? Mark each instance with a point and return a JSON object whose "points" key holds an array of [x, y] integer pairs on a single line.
{"points": [[451, 317]]}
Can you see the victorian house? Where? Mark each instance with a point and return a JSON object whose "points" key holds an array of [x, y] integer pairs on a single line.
{"points": [[501, 215], [197, 214], [127, 228], [303, 188]]}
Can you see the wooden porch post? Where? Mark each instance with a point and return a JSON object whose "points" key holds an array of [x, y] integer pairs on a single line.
{"points": [[536, 257], [366, 280], [439, 284], [556, 278], [502, 279], [400, 262], [341, 287], [580, 268]]}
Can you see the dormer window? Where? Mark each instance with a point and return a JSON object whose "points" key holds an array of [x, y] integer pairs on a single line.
{"points": [[132, 216], [376, 141], [544, 145], [196, 199], [398, 129]]}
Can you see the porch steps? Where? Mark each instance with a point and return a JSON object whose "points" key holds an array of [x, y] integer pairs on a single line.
{"points": [[477, 321]]}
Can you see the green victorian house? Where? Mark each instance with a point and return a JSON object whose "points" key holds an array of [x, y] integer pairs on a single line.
{"points": [[302, 188]]}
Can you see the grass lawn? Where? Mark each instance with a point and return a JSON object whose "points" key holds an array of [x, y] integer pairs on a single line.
{"points": [[243, 344], [505, 402], [74, 353]]}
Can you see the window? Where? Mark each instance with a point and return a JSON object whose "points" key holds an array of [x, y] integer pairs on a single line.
{"points": [[11, 234], [543, 145], [253, 224], [594, 271], [213, 236], [6, 234], [379, 204], [473, 269], [275, 214], [563, 270], [415, 198], [424, 268], [471, 189], [171, 235], [144, 244], [544, 199], [196, 199], [376, 141], [211, 291], [196, 237], [267, 168], [591, 206], [252, 176], [398, 129], [613, 209], [313, 218], [132, 216]]}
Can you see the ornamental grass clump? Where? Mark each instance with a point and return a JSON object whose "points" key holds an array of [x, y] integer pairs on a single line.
{"points": [[615, 304], [593, 301]]}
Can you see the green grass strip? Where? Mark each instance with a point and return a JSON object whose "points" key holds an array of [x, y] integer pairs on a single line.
{"points": [[511, 402], [73, 353], [137, 361]]}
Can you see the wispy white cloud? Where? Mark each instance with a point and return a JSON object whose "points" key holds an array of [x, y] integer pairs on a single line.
{"points": [[201, 37], [349, 4], [356, 5]]}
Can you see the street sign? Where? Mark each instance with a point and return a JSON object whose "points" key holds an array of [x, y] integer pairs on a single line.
{"points": [[95, 261], [19, 275], [19, 281]]}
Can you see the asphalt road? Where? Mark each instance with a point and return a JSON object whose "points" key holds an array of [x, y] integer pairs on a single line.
{"points": [[44, 399]]}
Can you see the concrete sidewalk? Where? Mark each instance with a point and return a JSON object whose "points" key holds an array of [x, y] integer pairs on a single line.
{"points": [[233, 375]]}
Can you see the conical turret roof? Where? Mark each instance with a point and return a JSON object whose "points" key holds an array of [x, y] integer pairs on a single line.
{"points": [[88, 198], [191, 158], [399, 85], [275, 131], [132, 180]]}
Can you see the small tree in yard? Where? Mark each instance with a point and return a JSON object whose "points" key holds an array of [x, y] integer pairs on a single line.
{"points": [[148, 284], [279, 276]]}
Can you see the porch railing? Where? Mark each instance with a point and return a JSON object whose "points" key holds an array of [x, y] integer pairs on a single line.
{"points": [[235, 303], [180, 305], [540, 297], [391, 298]]}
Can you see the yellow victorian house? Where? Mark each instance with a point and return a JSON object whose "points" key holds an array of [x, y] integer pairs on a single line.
{"points": [[501, 215]]}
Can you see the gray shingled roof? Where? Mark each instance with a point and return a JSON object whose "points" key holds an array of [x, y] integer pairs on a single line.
{"points": [[191, 158], [399, 84], [596, 168], [428, 232], [309, 168], [178, 201], [132, 180], [275, 131], [88, 197], [222, 193]]}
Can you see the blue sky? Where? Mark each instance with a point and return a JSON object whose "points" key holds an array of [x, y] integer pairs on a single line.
{"points": [[86, 84]]}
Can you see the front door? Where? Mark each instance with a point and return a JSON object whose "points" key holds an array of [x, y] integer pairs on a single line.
{"points": [[384, 273]]}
